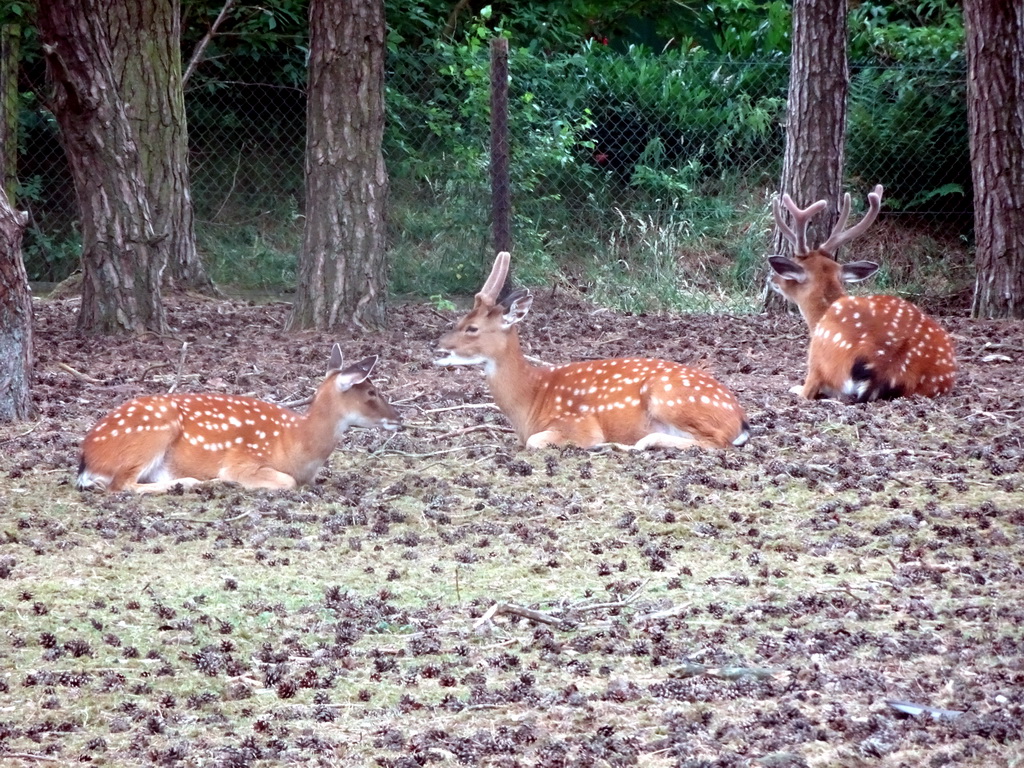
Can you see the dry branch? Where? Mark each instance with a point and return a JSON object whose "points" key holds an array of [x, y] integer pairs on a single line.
{"points": [[78, 374], [499, 609]]}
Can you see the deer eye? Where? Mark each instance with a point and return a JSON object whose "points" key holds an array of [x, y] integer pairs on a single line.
{"points": [[472, 329]]}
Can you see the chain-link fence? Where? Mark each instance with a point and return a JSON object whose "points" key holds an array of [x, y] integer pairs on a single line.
{"points": [[674, 159]]}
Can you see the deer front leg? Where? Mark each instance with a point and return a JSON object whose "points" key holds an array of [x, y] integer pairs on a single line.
{"points": [[662, 440], [544, 439], [163, 486], [250, 476]]}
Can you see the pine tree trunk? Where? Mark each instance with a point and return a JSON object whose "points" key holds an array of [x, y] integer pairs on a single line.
{"points": [[10, 45], [812, 168], [995, 114], [342, 270], [122, 259], [145, 40], [15, 318]]}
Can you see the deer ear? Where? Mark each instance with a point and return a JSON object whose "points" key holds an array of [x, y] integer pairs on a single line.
{"points": [[337, 359], [517, 305], [356, 373], [856, 271], [787, 268]]}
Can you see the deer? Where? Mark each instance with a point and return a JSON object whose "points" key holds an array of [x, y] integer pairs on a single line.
{"points": [[156, 442], [621, 403], [862, 348]]}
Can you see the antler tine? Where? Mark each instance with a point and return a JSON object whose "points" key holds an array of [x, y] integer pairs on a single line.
{"points": [[797, 234], [496, 279], [838, 236], [784, 228]]}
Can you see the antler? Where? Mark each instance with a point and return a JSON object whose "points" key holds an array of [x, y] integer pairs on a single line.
{"points": [[496, 280], [797, 235], [839, 236]]}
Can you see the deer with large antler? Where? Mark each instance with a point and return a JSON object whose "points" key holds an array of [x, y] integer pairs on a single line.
{"points": [[634, 403], [153, 443], [862, 347]]}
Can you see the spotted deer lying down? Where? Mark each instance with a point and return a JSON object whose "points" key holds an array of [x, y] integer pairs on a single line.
{"points": [[626, 402], [862, 347], [154, 443]]}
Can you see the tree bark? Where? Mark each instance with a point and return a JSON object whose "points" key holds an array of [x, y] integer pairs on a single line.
{"points": [[995, 116], [122, 260], [15, 318], [145, 39], [10, 45], [342, 269], [819, 79]]}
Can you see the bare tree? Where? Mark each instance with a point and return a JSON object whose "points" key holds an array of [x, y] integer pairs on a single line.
{"points": [[342, 270], [122, 256], [15, 318], [819, 79], [995, 114]]}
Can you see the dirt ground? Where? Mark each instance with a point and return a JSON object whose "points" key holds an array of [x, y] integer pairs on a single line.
{"points": [[440, 597]]}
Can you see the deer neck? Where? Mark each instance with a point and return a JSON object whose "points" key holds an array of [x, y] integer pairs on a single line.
{"points": [[824, 288], [515, 384], [316, 432], [815, 308]]}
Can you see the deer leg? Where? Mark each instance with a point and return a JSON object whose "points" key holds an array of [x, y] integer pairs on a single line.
{"points": [[163, 486], [544, 439], [663, 440], [256, 477], [813, 386]]}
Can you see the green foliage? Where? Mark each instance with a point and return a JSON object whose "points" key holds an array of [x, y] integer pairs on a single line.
{"points": [[272, 36], [908, 127], [700, 120], [690, 97], [917, 33], [49, 256], [249, 257], [17, 12]]}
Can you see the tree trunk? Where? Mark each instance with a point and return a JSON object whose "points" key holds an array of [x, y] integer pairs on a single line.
{"points": [[122, 261], [15, 318], [10, 44], [145, 41], [995, 116], [342, 269], [812, 168]]}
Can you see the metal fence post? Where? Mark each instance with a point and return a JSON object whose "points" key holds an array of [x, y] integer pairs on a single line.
{"points": [[501, 203]]}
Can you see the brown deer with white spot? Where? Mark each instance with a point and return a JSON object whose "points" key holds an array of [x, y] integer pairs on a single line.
{"points": [[631, 403], [156, 442], [862, 347]]}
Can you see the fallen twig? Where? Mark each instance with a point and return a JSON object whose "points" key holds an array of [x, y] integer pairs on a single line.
{"points": [[633, 596], [499, 609], [78, 375], [32, 756], [26, 433], [181, 365], [208, 522], [667, 613], [154, 367], [426, 455], [464, 406], [475, 428]]}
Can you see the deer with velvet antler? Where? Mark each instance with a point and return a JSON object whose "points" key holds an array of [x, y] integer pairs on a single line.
{"points": [[634, 403], [862, 347]]}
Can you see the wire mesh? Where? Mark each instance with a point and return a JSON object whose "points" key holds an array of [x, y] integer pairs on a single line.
{"points": [[607, 152]]}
